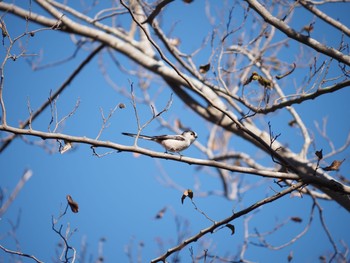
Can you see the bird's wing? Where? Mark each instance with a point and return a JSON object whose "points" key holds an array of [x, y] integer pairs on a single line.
{"points": [[169, 137], [156, 138]]}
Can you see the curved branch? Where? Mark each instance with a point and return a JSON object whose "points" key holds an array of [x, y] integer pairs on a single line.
{"points": [[121, 148], [283, 27], [326, 183], [227, 220], [216, 112], [85, 18], [20, 12], [325, 17], [305, 97], [20, 254]]}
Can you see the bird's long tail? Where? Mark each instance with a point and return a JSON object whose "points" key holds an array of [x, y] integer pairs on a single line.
{"points": [[145, 137]]}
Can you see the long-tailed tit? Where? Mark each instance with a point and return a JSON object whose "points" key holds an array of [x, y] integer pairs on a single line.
{"points": [[171, 143]]}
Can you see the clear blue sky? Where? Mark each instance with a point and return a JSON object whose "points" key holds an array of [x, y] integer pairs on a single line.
{"points": [[120, 194]]}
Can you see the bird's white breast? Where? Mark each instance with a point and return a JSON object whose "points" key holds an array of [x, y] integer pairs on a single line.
{"points": [[175, 145]]}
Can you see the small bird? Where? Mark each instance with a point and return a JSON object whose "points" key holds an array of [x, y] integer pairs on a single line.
{"points": [[171, 143]]}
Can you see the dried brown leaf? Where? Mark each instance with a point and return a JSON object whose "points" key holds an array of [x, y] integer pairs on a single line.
{"points": [[262, 81], [187, 193], [308, 28], [204, 68], [335, 165], [292, 123], [251, 78], [161, 213], [73, 205], [121, 106], [296, 219], [67, 146], [231, 227], [319, 154], [174, 42]]}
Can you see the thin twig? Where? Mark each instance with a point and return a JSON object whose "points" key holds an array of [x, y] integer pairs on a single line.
{"points": [[20, 254], [106, 119], [154, 114], [67, 247], [58, 123], [53, 96]]}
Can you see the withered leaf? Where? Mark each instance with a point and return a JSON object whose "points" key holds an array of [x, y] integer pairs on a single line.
{"points": [[187, 193], [265, 82], [3, 29], [308, 28], [335, 165], [231, 227], [73, 205], [322, 259], [204, 68], [296, 219], [250, 79], [175, 42], [121, 106], [319, 154], [161, 213], [292, 123], [262, 81], [67, 146]]}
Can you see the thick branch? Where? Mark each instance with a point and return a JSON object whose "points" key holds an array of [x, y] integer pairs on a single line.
{"points": [[122, 148], [43, 20], [321, 181], [217, 111]]}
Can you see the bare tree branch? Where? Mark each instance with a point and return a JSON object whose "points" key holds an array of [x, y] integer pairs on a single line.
{"points": [[156, 11], [20, 254], [25, 177], [267, 16], [321, 181], [336, 24], [52, 97], [225, 221], [233, 80]]}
